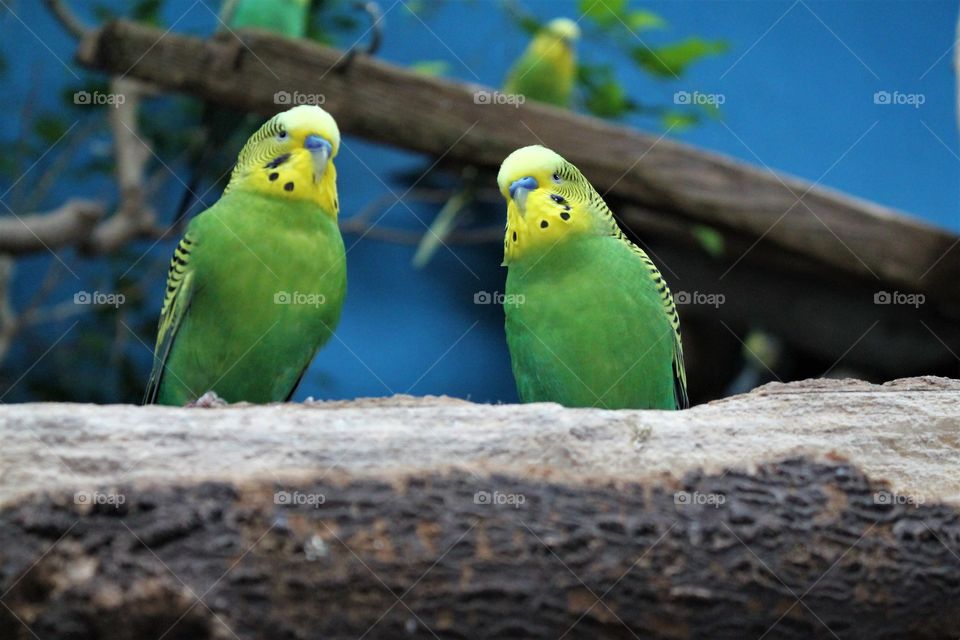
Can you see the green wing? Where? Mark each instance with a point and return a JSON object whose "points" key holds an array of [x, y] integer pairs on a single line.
{"points": [[176, 302], [679, 372], [666, 299]]}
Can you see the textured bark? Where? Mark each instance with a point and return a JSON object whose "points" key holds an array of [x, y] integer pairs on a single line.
{"points": [[811, 510], [415, 556]]}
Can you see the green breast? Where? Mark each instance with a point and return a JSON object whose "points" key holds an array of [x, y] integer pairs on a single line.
{"points": [[587, 328], [269, 286]]}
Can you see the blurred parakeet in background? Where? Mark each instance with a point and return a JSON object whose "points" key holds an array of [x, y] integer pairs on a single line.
{"points": [[257, 283], [589, 319], [286, 17], [545, 72], [289, 18]]}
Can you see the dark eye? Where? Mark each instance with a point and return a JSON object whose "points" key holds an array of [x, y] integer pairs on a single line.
{"points": [[282, 135], [556, 177]]}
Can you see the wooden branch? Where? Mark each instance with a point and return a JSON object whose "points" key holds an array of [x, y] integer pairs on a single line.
{"points": [[80, 222], [68, 224], [386, 103], [816, 509]]}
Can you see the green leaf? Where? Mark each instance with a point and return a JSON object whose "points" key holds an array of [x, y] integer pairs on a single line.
{"points": [[49, 128], [711, 110], [415, 7], [643, 20], [103, 13], [673, 59], [147, 11], [430, 67], [709, 239], [530, 25], [608, 100], [7, 164], [677, 121], [603, 12], [603, 95], [592, 74]]}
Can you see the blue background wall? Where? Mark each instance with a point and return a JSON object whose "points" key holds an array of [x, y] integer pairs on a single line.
{"points": [[799, 83]]}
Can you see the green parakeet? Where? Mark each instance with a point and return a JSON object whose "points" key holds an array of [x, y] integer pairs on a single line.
{"points": [[288, 18], [547, 70], [257, 283], [590, 322]]}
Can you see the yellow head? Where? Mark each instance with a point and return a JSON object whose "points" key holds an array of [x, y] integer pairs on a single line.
{"points": [[291, 156], [548, 201], [564, 29]]}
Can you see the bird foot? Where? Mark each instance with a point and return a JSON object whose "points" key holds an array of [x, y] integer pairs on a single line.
{"points": [[209, 400]]}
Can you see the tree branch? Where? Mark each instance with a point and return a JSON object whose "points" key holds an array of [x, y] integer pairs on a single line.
{"points": [[66, 17], [71, 223]]}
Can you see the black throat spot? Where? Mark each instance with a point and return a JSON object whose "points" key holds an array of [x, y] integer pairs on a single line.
{"points": [[276, 162]]}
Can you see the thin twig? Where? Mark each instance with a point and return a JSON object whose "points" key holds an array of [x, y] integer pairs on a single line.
{"points": [[7, 315], [69, 21], [373, 11]]}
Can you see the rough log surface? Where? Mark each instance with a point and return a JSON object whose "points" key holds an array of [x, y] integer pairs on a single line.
{"points": [[363, 519], [904, 432]]}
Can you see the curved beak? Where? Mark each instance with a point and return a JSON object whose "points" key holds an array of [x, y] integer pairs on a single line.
{"points": [[519, 189], [319, 149]]}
